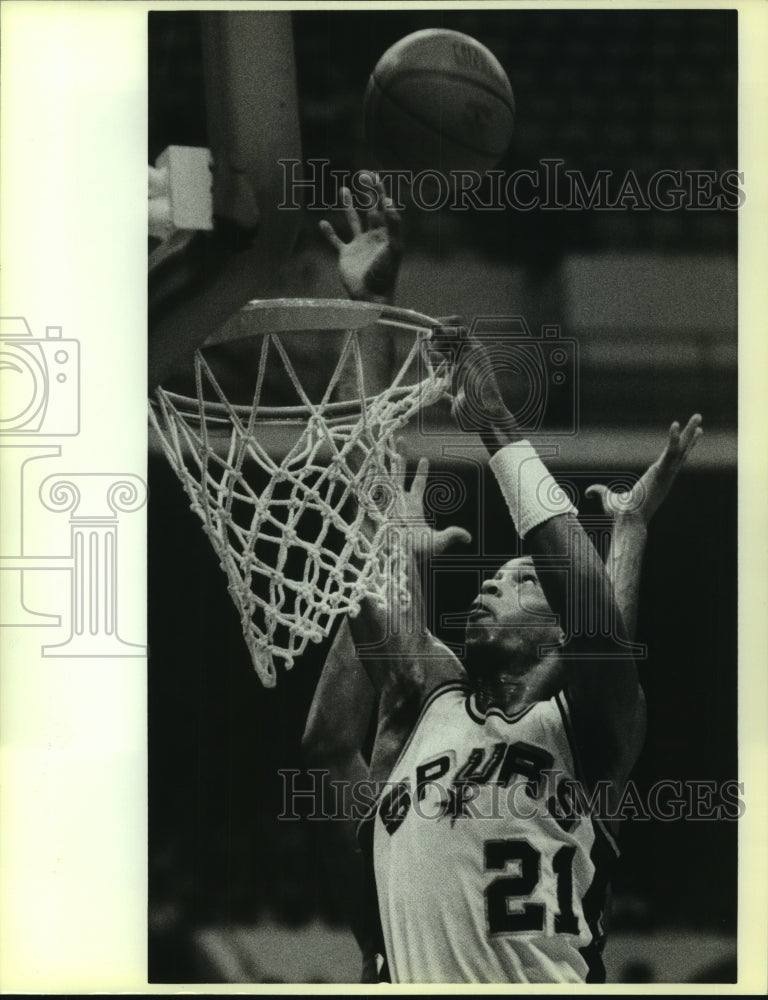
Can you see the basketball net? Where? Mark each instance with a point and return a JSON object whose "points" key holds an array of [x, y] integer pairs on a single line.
{"points": [[302, 537]]}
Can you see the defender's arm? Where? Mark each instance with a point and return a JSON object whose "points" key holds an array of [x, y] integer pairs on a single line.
{"points": [[339, 718], [632, 512], [341, 712], [403, 660]]}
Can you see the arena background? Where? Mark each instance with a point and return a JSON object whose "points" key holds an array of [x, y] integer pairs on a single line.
{"points": [[650, 296]]}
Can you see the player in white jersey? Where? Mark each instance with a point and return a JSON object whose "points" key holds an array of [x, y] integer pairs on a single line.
{"points": [[484, 870], [481, 793], [465, 764]]}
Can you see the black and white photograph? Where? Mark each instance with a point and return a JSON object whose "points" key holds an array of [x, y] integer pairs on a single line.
{"points": [[384, 606], [461, 707]]}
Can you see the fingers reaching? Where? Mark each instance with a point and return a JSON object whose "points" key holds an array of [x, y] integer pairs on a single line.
{"points": [[382, 214], [420, 479], [353, 219], [398, 468], [375, 215], [451, 536], [691, 434], [330, 234], [680, 443], [605, 496], [445, 341], [387, 210], [596, 490]]}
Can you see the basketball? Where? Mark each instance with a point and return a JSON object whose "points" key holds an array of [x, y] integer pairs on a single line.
{"points": [[438, 100]]}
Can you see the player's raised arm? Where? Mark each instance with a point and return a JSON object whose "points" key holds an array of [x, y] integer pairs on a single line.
{"points": [[345, 702], [403, 660], [368, 264], [602, 686], [368, 259], [632, 511], [342, 711]]}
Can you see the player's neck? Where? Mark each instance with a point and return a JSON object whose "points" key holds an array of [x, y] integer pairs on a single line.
{"points": [[509, 691], [515, 685]]}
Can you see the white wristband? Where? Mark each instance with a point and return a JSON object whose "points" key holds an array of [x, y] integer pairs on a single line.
{"points": [[532, 494]]}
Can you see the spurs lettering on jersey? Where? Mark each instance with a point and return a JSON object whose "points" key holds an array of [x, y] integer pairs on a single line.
{"points": [[484, 872]]}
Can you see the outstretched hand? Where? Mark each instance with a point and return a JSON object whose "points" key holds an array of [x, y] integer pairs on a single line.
{"points": [[404, 510], [427, 539], [369, 263], [648, 493]]}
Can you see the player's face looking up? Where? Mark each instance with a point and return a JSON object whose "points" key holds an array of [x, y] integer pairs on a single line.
{"points": [[509, 622], [510, 599]]}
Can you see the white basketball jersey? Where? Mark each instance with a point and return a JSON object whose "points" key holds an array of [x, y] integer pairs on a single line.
{"points": [[482, 877]]}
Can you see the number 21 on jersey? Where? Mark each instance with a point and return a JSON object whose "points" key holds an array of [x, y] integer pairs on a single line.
{"points": [[505, 910]]}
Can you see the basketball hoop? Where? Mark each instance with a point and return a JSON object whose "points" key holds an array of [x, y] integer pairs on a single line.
{"points": [[288, 529]]}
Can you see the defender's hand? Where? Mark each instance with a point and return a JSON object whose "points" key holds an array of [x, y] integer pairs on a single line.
{"points": [[427, 539], [369, 263], [404, 511], [648, 493]]}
